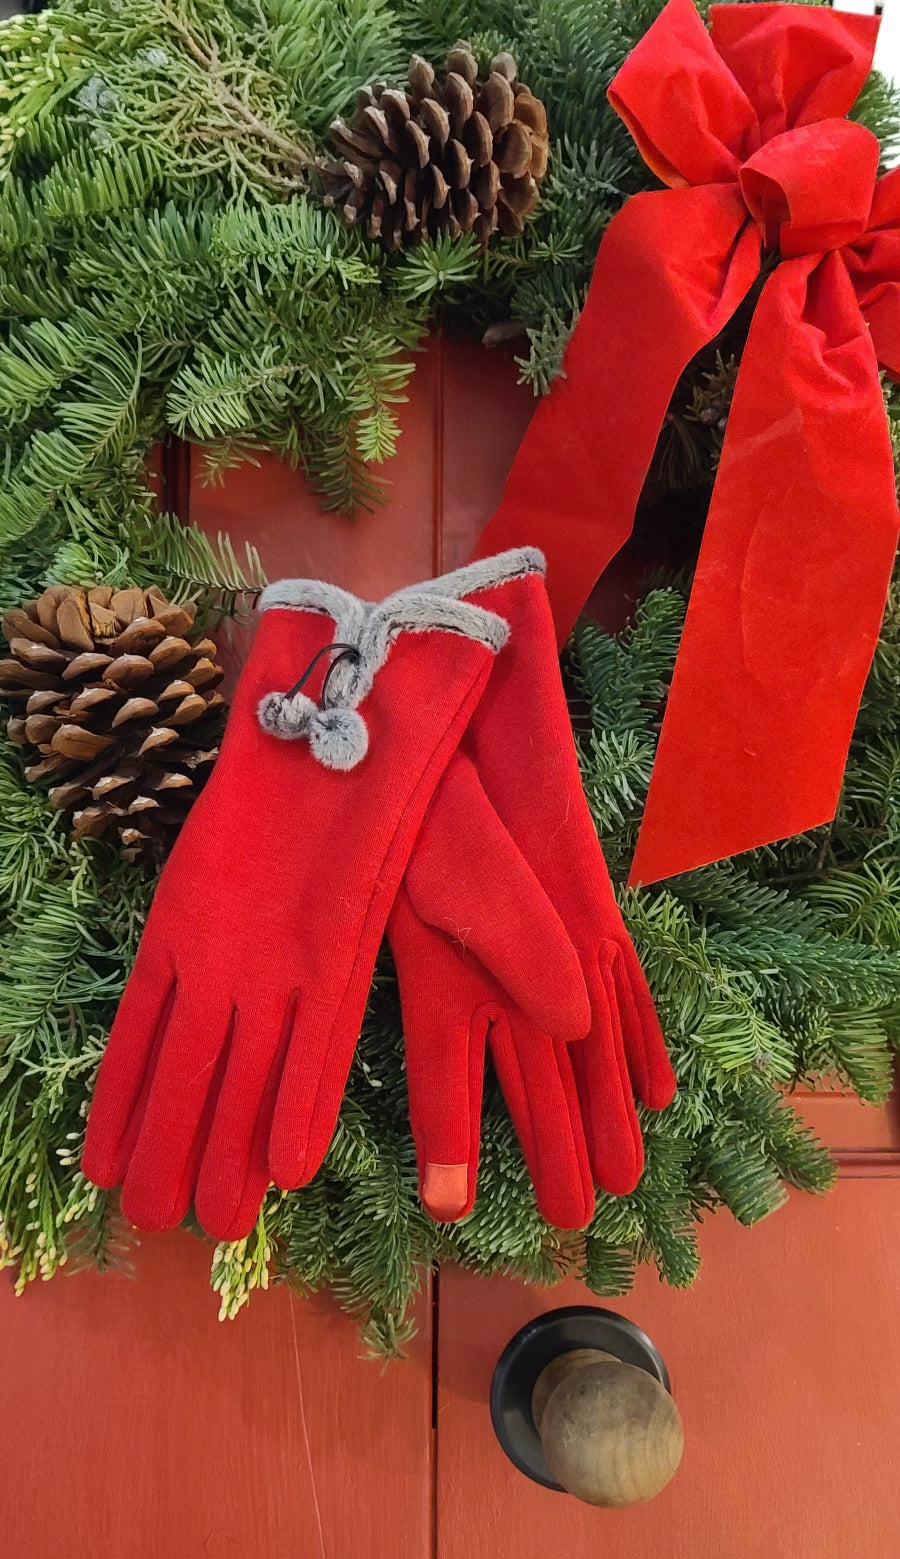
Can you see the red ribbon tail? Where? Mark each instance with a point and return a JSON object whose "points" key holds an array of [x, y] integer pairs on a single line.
{"points": [[790, 586], [671, 270]]}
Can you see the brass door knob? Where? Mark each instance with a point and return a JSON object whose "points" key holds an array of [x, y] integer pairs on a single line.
{"points": [[580, 1402]]}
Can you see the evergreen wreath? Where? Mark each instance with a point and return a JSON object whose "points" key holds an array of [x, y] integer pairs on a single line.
{"points": [[167, 267]]}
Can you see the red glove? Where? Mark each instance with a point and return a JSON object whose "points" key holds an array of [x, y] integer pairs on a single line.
{"points": [[245, 1002], [470, 904], [572, 1106]]}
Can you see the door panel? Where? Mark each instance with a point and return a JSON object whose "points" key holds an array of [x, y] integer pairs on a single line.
{"points": [[864, 1139], [135, 1425], [785, 1363], [460, 430], [483, 414], [271, 506]]}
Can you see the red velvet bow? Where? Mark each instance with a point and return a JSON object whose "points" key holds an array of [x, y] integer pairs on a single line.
{"points": [[746, 125]]}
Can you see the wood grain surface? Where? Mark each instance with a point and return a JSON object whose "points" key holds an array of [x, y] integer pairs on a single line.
{"points": [[135, 1425], [785, 1364], [459, 431]]}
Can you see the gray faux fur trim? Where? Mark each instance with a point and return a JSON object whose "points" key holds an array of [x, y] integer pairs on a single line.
{"points": [[372, 628], [435, 604], [317, 595], [486, 573]]}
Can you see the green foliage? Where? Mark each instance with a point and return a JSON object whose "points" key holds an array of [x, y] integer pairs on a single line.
{"points": [[165, 268], [165, 265], [878, 107], [771, 970]]}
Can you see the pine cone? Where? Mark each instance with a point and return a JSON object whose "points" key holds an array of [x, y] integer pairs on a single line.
{"points": [[115, 705], [457, 156]]}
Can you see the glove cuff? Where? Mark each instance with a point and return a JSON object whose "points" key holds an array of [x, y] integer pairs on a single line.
{"points": [[485, 573], [414, 601], [363, 634]]}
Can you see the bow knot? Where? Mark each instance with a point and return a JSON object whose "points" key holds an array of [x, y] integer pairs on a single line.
{"points": [[810, 189]]}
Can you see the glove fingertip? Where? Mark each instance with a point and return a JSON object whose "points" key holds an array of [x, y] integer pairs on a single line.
{"points": [[566, 1015], [290, 1161], [99, 1167], [286, 1174], [619, 1174], [227, 1208], [660, 1090], [224, 1225], [145, 1210], [578, 1014], [567, 1212], [299, 1135], [445, 1193]]}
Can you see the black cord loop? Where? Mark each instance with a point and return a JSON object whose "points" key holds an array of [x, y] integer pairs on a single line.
{"points": [[347, 652]]}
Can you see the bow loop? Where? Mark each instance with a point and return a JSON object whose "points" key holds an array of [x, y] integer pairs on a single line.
{"points": [[874, 266], [690, 119], [811, 189], [797, 65], [700, 104]]}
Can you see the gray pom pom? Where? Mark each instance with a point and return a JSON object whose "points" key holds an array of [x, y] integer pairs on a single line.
{"points": [[286, 715], [338, 738]]}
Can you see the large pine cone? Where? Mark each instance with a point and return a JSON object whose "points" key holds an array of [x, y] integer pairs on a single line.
{"points": [[457, 156], [115, 705]]}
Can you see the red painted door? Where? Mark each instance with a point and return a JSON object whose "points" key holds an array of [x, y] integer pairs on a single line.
{"points": [[136, 1426], [785, 1363]]}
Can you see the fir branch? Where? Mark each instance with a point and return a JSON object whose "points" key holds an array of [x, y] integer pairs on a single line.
{"points": [[165, 265], [297, 158]]}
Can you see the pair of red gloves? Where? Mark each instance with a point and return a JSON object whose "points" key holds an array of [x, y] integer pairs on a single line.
{"points": [[419, 776]]}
